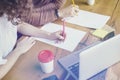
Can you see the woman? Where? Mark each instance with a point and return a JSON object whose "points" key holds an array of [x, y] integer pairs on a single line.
{"points": [[10, 23], [44, 11]]}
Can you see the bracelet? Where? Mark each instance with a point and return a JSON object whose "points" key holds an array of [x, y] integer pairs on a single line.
{"points": [[56, 13]]}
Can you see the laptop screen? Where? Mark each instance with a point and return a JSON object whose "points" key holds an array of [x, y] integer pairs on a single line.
{"points": [[93, 60], [99, 57]]}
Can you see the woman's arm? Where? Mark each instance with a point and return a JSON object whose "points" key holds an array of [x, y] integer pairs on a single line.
{"points": [[11, 61], [49, 12], [30, 30], [21, 47]]}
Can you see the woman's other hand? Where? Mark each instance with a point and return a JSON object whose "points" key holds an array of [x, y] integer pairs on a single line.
{"points": [[69, 11], [24, 45], [57, 36]]}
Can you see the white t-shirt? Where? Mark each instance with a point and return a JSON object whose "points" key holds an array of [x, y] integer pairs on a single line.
{"points": [[8, 36]]}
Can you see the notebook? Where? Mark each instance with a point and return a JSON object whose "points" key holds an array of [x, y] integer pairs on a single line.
{"points": [[73, 36], [93, 61], [88, 19]]}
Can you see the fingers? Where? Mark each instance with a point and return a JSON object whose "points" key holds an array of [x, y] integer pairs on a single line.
{"points": [[69, 11], [59, 35], [75, 10]]}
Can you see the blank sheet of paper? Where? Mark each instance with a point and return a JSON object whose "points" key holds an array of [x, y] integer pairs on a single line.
{"points": [[73, 36], [88, 19]]}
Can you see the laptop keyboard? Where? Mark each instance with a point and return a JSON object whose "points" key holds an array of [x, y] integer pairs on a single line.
{"points": [[75, 69]]}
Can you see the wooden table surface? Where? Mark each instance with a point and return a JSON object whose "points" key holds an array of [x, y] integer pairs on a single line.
{"points": [[105, 7], [27, 67]]}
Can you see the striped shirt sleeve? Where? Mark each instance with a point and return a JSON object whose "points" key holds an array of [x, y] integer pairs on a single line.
{"points": [[44, 13], [48, 4]]}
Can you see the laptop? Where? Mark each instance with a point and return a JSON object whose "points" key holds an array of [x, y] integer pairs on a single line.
{"points": [[91, 63]]}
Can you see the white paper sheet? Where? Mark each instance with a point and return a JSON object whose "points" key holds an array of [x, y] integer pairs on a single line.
{"points": [[88, 19], [72, 39]]}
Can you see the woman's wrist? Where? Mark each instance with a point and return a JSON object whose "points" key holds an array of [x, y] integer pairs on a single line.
{"points": [[44, 34], [48, 35]]}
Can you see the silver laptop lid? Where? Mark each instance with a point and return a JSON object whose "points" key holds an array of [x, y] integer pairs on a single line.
{"points": [[99, 57]]}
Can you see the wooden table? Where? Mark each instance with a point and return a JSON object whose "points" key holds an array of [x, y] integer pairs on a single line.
{"points": [[27, 67]]}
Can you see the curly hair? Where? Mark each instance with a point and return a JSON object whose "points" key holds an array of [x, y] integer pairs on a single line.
{"points": [[13, 8]]}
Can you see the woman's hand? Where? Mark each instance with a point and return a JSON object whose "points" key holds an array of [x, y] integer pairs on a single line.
{"points": [[24, 45], [57, 36], [69, 11]]}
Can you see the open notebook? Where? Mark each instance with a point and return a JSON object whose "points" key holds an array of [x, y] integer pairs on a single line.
{"points": [[73, 36]]}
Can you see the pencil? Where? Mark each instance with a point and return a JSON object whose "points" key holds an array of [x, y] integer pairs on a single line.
{"points": [[63, 32], [73, 2]]}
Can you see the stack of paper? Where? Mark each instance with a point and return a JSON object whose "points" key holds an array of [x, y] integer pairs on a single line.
{"points": [[88, 19], [73, 36]]}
